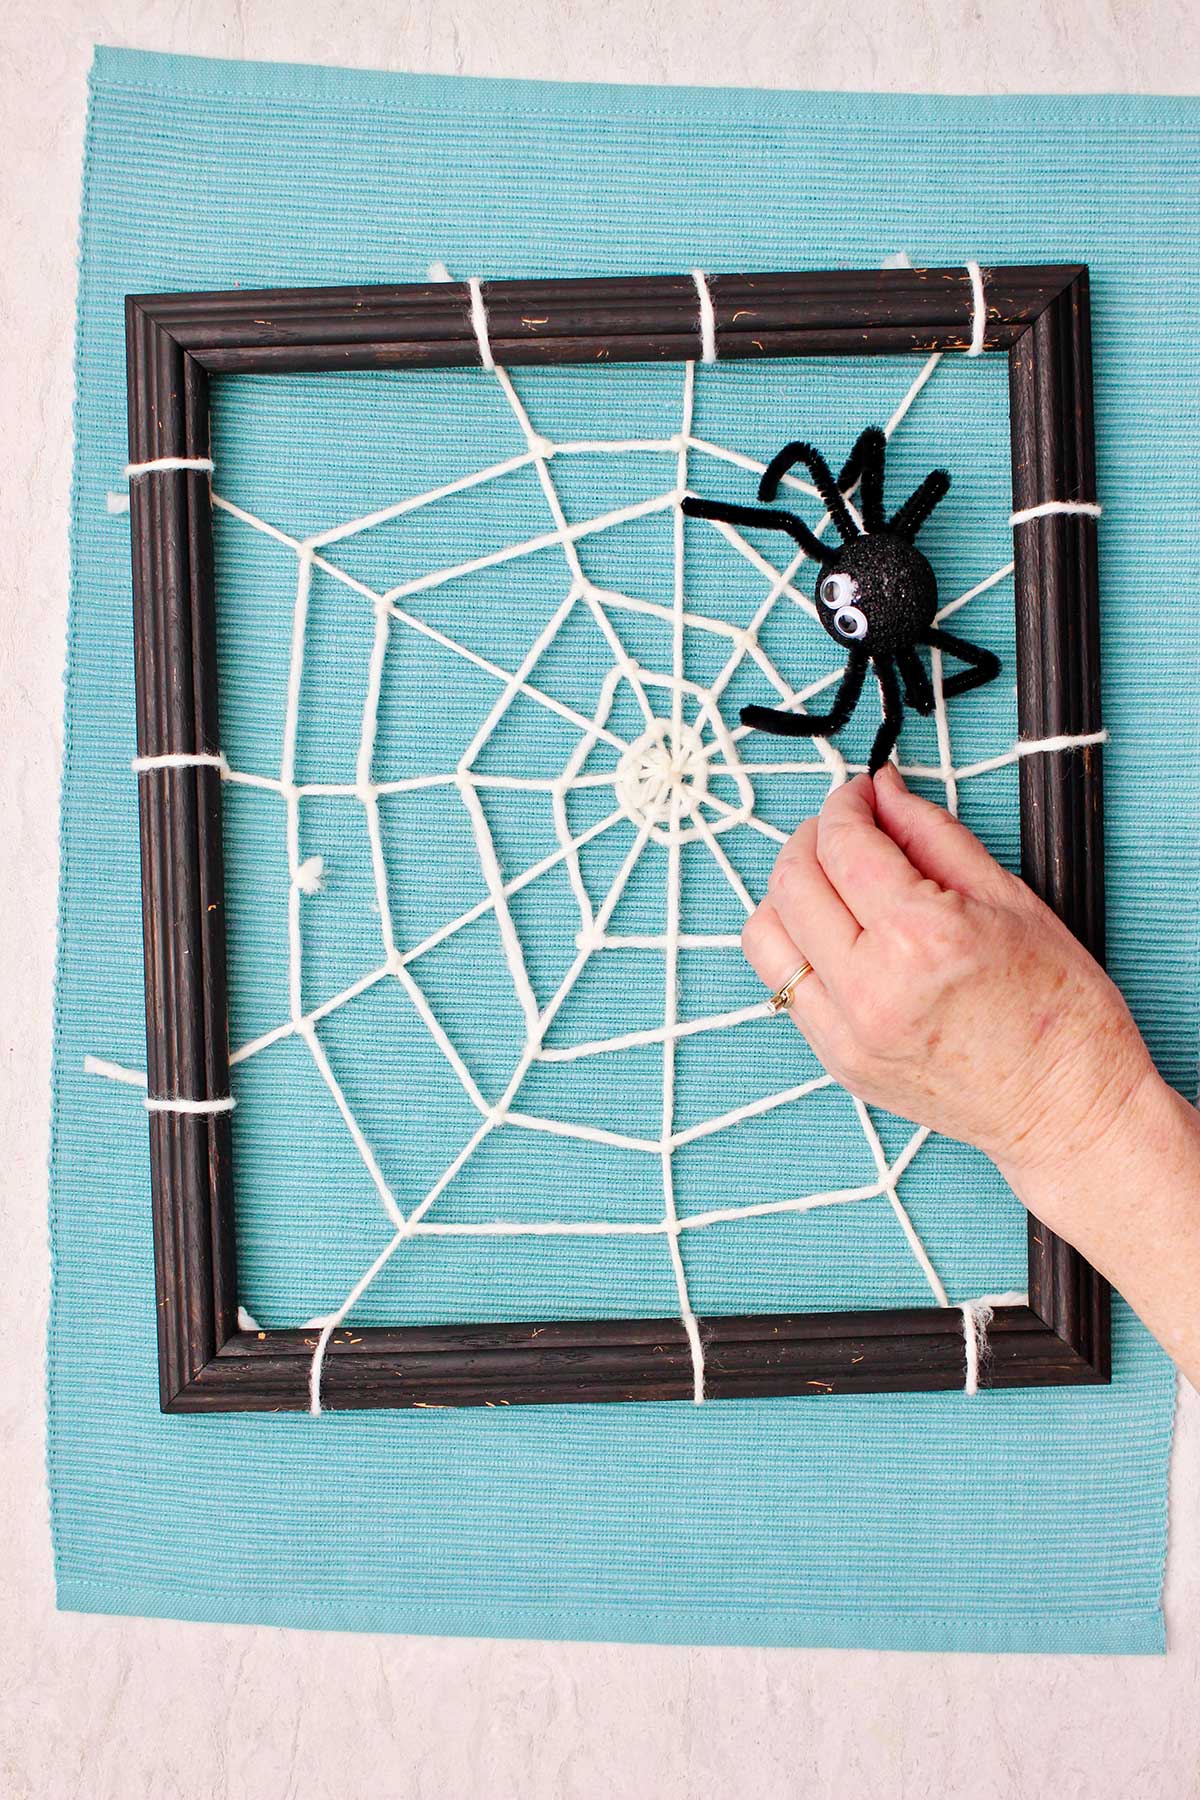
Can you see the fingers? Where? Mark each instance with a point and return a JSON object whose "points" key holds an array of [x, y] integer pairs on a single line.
{"points": [[935, 843], [774, 956], [868, 869], [811, 910], [769, 947]]}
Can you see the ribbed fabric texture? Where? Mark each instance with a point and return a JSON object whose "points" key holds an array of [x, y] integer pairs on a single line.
{"points": [[1016, 1521]]}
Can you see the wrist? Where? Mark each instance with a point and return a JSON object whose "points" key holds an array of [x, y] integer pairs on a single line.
{"points": [[1073, 1170], [1129, 1200]]}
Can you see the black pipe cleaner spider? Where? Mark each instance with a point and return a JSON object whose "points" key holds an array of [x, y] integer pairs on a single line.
{"points": [[877, 595]]}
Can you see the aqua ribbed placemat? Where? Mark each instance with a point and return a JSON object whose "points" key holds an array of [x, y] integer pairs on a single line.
{"points": [[1019, 1521]]}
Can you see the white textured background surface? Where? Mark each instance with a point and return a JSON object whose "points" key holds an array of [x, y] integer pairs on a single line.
{"points": [[108, 1708]]}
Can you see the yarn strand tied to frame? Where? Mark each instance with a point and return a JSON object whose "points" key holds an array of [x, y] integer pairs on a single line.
{"points": [[977, 1318]]}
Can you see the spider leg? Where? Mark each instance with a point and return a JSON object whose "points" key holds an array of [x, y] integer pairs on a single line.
{"points": [[822, 474], [982, 665], [893, 714], [768, 518], [912, 515], [790, 724], [918, 689], [865, 464]]}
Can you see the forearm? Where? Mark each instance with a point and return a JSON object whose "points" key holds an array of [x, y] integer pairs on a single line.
{"points": [[943, 990], [1127, 1195]]}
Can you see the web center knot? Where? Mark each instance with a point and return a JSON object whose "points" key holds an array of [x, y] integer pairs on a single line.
{"points": [[664, 775]]}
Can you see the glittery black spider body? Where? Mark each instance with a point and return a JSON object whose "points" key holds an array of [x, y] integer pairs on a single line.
{"points": [[876, 594]]}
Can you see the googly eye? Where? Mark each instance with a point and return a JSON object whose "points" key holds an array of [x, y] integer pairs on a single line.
{"points": [[849, 622], [838, 589]]}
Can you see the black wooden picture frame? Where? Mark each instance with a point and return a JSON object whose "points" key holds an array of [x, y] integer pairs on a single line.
{"points": [[176, 343]]}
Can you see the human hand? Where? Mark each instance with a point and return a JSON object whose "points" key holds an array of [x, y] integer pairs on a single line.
{"points": [[943, 989]]}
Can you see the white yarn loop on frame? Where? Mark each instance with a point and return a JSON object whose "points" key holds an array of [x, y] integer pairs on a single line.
{"points": [[708, 318], [479, 323], [978, 309], [677, 815], [157, 1103], [169, 465], [181, 759], [1046, 509], [977, 1317]]}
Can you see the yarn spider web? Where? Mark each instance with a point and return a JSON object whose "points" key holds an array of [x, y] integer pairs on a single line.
{"points": [[681, 780]]}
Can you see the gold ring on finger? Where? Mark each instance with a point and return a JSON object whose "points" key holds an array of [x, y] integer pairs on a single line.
{"points": [[782, 998]]}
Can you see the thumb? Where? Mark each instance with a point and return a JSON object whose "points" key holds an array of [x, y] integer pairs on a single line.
{"points": [[935, 842]]}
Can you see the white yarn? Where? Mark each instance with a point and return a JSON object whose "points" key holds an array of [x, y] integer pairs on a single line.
{"points": [[287, 771], [111, 1071], [310, 876], [181, 759], [479, 323], [931, 363], [887, 1182], [708, 319], [156, 1103], [169, 465], [979, 309], [977, 1316], [900, 259], [678, 810], [1087, 509]]}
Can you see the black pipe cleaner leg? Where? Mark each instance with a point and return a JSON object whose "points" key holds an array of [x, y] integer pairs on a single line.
{"points": [[918, 689], [893, 714], [764, 518], [983, 666], [908, 520], [826, 486], [865, 464], [790, 724]]}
